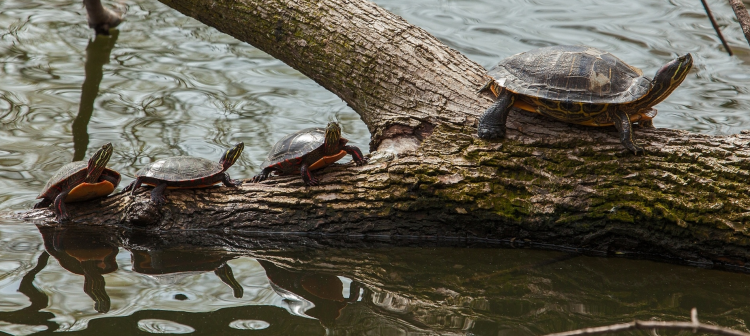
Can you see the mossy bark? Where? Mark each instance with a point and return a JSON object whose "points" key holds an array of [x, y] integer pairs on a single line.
{"points": [[547, 181]]}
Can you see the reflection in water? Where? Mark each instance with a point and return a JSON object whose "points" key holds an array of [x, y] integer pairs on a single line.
{"points": [[33, 314], [161, 262], [101, 19], [97, 54], [377, 288], [313, 294], [87, 253]]}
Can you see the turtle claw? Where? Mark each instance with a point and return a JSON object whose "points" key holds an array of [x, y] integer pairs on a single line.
{"points": [[313, 182], [43, 204], [360, 162], [63, 218], [128, 187], [158, 200], [488, 133], [157, 195], [263, 175]]}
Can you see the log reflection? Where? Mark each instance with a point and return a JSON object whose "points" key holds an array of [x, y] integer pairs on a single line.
{"points": [[301, 284]]}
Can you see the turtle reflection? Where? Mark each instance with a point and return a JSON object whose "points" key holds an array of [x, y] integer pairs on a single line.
{"points": [[89, 253], [162, 262], [312, 294]]}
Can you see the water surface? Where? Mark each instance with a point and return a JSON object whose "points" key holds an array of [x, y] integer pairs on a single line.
{"points": [[167, 85]]}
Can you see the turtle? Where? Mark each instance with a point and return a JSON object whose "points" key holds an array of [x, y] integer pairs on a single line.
{"points": [[307, 150], [186, 172], [101, 19], [79, 181], [580, 85]]}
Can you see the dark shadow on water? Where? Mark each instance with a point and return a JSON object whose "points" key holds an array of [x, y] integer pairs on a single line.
{"points": [[32, 315], [97, 55]]}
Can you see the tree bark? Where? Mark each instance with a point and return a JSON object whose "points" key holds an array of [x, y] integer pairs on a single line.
{"points": [[546, 182]]}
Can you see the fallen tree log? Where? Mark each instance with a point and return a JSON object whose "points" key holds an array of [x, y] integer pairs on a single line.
{"points": [[546, 182]]}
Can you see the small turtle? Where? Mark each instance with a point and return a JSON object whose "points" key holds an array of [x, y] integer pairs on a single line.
{"points": [[580, 85], [79, 181], [307, 150], [101, 19], [186, 172]]}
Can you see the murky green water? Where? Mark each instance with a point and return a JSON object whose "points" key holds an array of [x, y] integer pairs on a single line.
{"points": [[167, 85]]}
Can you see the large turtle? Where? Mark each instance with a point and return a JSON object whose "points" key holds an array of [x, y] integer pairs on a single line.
{"points": [[580, 85], [79, 181], [307, 150], [186, 172]]}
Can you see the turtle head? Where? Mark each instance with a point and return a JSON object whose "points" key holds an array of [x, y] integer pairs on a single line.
{"points": [[231, 155], [98, 162], [668, 78], [333, 136]]}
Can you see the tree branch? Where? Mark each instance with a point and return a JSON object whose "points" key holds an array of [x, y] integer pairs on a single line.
{"points": [[742, 16], [547, 182], [694, 326], [716, 27]]}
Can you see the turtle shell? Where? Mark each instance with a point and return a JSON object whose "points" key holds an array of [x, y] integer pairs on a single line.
{"points": [[295, 145], [181, 168], [573, 74], [77, 169]]}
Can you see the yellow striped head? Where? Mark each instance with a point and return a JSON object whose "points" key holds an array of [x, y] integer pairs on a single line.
{"points": [[675, 71], [98, 162], [668, 78], [333, 136], [231, 155]]}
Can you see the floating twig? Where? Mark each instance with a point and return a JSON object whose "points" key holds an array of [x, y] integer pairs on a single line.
{"points": [[742, 16], [716, 27], [693, 326]]}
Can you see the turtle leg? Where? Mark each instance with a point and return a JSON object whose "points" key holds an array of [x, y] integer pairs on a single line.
{"points": [[133, 186], [43, 203], [229, 182], [307, 175], [263, 175], [492, 122], [622, 123], [157, 195], [359, 159], [61, 212]]}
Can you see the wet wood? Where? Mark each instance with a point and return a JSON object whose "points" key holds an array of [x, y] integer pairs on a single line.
{"points": [[547, 182], [742, 16]]}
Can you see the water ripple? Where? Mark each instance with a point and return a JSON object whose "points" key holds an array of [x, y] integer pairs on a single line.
{"points": [[157, 326], [249, 324]]}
